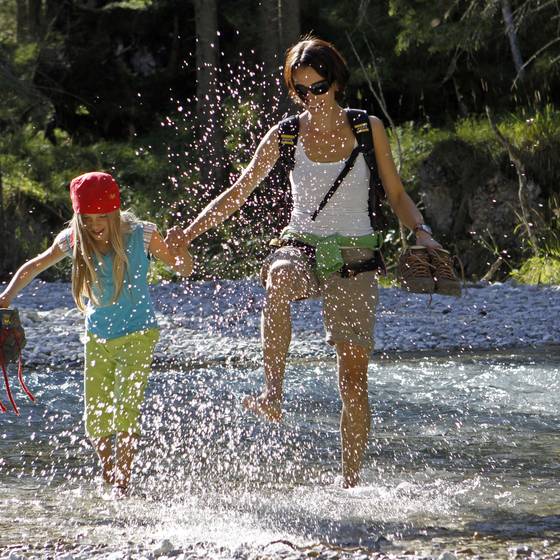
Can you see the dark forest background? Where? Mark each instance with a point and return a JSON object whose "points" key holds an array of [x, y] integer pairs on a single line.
{"points": [[172, 97]]}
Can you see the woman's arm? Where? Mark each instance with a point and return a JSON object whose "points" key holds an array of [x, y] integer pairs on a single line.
{"points": [[178, 258], [30, 270], [400, 202], [234, 197]]}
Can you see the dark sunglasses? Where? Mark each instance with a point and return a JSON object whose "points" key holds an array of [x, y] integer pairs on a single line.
{"points": [[318, 88]]}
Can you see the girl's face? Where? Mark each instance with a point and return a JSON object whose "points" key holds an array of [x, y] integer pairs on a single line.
{"points": [[97, 226], [313, 89]]}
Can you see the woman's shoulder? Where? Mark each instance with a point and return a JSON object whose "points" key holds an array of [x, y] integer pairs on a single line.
{"points": [[132, 223], [289, 121], [376, 123]]}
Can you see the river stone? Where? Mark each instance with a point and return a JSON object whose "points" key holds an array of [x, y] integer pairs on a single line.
{"points": [[165, 547], [447, 556]]}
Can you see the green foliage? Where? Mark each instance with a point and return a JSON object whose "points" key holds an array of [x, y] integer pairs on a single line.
{"points": [[240, 119], [72, 78], [417, 142], [36, 174], [538, 270], [129, 5]]}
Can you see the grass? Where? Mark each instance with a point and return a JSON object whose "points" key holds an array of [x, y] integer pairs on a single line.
{"points": [[538, 270]]}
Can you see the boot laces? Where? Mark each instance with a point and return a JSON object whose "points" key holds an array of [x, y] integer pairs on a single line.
{"points": [[416, 265], [443, 266]]}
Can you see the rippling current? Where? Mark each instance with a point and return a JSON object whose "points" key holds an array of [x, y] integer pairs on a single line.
{"points": [[464, 452]]}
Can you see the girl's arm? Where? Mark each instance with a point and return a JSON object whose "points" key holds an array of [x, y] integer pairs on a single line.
{"points": [[178, 258], [233, 198], [400, 202], [29, 270]]}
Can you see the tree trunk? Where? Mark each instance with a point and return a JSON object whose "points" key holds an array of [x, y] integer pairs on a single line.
{"points": [[269, 52], [280, 25], [210, 133], [290, 23], [22, 25], [35, 17], [513, 39], [4, 253], [173, 62], [51, 10], [290, 33]]}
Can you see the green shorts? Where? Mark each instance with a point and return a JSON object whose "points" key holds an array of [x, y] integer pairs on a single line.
{"points": [[115, 377]]}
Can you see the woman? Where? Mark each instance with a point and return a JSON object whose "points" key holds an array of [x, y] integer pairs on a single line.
{"points": [[316, 74]]}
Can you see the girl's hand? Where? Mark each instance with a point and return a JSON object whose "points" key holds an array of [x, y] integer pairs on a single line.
{"points": [[176, 256], [183, 261], [426, 240]]}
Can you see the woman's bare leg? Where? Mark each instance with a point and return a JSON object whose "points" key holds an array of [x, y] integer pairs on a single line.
{"points": [[355, 418], [283, 286]]}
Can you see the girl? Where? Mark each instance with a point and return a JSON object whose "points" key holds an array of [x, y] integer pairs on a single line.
{"points": [[109, 251]]}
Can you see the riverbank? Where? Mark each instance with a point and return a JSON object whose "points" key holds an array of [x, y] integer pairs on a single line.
{"points": [[209, 322], [462, 461]]}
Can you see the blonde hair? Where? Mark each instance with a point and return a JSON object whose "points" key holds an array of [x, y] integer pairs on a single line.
{"points": [[85, 254]]}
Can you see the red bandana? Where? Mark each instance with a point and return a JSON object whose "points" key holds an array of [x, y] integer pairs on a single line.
{"points": [[95, 193]]}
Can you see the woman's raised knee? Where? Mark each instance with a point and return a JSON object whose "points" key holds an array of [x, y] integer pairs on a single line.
{"points": [[281, 278]]}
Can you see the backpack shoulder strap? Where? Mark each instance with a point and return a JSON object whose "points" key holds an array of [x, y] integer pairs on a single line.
{"points": [[288, 130], [361, 127]]}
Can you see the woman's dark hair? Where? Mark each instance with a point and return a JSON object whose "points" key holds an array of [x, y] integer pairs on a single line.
{"points": [[320, 55]]}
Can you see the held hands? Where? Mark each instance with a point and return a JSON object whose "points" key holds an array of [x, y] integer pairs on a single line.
{"points": [[176, 237], [177, 244], [183, 259]]}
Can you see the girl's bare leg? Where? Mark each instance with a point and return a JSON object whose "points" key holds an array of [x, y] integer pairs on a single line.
{"points": [[126, 451], [104, 448]]}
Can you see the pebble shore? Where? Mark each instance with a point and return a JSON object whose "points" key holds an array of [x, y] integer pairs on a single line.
{"points": [[207, 322]]}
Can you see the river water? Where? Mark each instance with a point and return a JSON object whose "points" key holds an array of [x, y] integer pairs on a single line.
{"points": [[464, 456]]}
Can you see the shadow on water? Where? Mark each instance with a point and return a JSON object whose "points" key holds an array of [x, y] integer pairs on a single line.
{"points": [[464, 452]]}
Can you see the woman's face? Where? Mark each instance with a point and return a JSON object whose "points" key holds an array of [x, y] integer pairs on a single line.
{"points": [[305, 77], [97, 226]]}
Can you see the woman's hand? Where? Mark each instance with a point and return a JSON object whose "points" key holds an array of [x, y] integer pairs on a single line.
{"points": [[426, 240], [5, 301], [176, 237]]}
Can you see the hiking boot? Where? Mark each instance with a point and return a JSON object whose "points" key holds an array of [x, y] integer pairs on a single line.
{"points": [[414, 270], [446, 281]]}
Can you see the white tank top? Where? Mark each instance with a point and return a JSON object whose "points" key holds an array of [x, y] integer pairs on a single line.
{"points": [[346, 213]]}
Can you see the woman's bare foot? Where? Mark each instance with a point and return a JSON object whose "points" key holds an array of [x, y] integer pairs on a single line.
{"points": [[263, 406], [341, 481], [119, 492]]}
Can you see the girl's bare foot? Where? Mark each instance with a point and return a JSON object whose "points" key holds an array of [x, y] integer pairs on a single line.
{"points": [[109, 473], [262, 406]]}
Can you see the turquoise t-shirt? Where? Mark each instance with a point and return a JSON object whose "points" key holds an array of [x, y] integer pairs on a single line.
{"points": [[133, 310]]}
